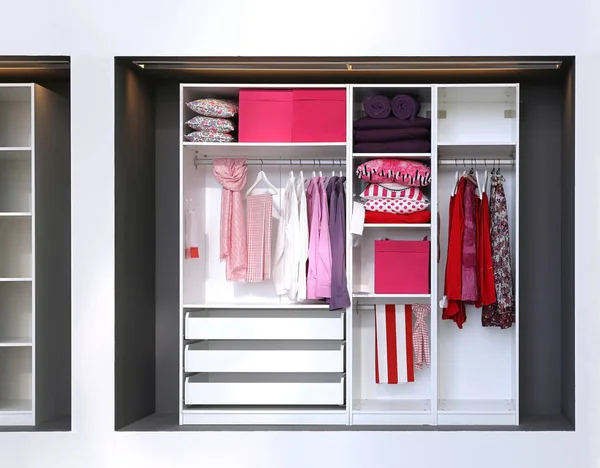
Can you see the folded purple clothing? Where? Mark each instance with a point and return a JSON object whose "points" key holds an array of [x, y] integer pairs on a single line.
{"points": [[403, 146], [382, 135], [377, 107], [367, 123], [405, 107]]}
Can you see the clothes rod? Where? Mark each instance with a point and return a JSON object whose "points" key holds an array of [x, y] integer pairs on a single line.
{"points": [[464, 162], [198, 161]]}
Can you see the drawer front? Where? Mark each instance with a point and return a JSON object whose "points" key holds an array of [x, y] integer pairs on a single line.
{"points": [[325, 392], [269, 326], [284, 357]]}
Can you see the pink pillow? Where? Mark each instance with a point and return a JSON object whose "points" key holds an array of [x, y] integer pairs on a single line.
{"points": [[396, 205], [402, 171]]}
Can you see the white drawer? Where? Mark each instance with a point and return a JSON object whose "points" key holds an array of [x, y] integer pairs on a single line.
{"points": [[264, 389], [265, 356], [278, 324]]}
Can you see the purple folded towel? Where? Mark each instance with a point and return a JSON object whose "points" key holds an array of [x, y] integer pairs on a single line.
{"points": [[377, 107], [405, 107], [403, 146], [390, 134], [367, 123]]}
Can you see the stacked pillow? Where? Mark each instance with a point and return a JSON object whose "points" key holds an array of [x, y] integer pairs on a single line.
{"points": [[395, 191], [214, 122]]}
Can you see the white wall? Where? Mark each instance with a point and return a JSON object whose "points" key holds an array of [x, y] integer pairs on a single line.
{"points": [[92, 32]]}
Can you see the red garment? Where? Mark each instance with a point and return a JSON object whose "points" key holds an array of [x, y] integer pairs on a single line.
{"points": [[485, 269], [373, 217], [455, 309]]}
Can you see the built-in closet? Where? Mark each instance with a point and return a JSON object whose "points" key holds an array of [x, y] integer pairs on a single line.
{"points": [[35, 251], [228, 352]]}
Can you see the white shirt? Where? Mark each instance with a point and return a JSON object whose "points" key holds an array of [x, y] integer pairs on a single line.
{"points": [[285, 275], [302, 240]]}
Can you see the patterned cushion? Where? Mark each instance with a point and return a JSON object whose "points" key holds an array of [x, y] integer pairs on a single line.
{"points": [[402, 171], [209, 136], [210, 107], [375, 191], [211, 123]]}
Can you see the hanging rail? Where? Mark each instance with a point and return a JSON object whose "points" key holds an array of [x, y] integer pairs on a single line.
{"points": [[306, 162], [460, 162]]}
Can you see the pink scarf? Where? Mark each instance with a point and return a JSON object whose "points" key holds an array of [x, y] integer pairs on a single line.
{"points": [[231, 174]]}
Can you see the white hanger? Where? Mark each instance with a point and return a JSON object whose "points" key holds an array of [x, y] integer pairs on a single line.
{"points": [[262, 177], [478, 184], [314, 165]]}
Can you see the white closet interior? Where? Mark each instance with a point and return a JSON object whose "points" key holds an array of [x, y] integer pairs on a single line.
{"points": [[34, 262], [17, 275], [249, 356]]}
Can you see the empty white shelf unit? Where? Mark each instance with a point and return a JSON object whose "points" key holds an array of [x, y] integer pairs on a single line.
{"points": [[249, 357], [34, 255]]}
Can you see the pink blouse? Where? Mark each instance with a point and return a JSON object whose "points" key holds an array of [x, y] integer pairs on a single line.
{"points": [[318, 282]]}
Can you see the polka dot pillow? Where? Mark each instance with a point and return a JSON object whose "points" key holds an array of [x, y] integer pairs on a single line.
{"points": [[397, 205]]}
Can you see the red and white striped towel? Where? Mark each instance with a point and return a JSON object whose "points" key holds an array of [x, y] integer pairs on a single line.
{"points": [[394, 362]]}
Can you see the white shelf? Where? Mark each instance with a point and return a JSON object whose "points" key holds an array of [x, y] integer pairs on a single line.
{"points": [[358, 295], [404, 226], [8, 280], [477, 412], [393, 406], [396, 412], [258, 305], [15, 406], [264, 416], [266, 150], [476, 406], [424, 156], [492, 150], [15, 342]]}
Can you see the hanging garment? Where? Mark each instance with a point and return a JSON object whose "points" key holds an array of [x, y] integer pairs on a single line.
{"points": [[191, 236], [340, 298], [393, 344], [291, 254], [455, 308], [231, 175], [302, 238], [502, 312], [485, 269], [318, 282], [421, 335], [259, 212], [469, 292]]}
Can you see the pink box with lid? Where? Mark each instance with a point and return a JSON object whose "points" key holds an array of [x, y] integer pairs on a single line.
{"points": [[402, 266], [319, 115], [265, 115]]}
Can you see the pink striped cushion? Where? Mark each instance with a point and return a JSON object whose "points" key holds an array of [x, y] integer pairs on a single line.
{"points": [[376, 191]]}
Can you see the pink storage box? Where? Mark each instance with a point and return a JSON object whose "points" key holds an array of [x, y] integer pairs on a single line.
{"points": [[265, 115], [402, 267], [319, 115]]}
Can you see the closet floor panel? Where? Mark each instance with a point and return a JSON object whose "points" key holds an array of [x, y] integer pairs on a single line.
{"points": [[467, 412], [399, 412], [265, 416]]}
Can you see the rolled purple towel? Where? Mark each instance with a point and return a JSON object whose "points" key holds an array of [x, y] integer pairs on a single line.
{"points": [[367, 123], [403, 146], [405, 107], [390, 134], [377, 107]]}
